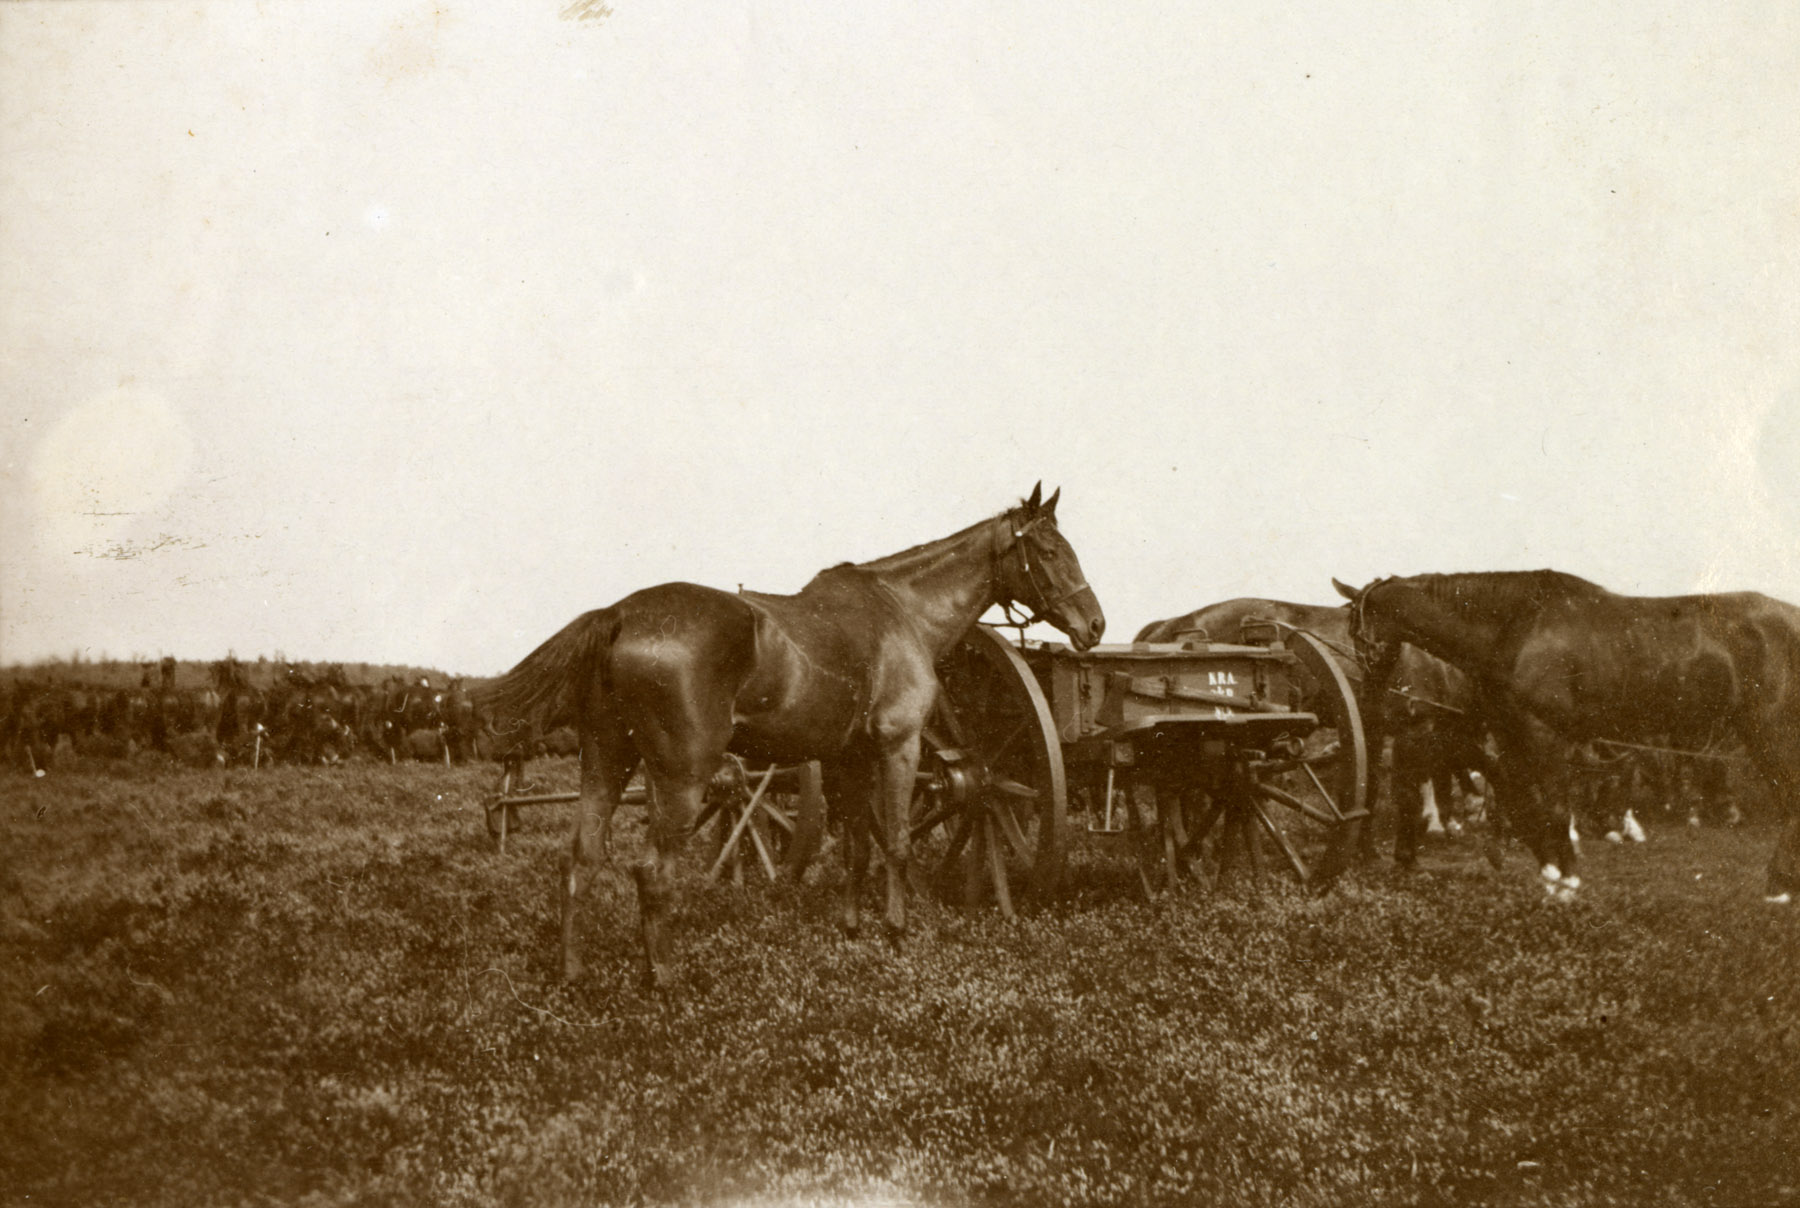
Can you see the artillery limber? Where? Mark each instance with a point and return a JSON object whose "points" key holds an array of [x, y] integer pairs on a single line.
{"points": [[1199, 753]]}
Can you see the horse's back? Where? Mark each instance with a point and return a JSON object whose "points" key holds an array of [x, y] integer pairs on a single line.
{"points": [[1223, 621], [1682, 664]]}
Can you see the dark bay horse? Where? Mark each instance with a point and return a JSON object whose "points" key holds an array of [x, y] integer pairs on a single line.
{"points": [[843, 672], [1560, 660], [1426, 706]]}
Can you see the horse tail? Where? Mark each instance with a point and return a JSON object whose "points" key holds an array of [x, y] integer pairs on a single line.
{"points": [[545, 690]]}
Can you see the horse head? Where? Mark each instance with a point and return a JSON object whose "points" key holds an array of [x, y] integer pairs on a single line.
{"points": [[1377, 645], [1038, 568]]}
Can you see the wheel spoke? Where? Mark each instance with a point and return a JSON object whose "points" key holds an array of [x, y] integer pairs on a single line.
{"points": [[959, 838], [1209, 817], [1281, 840], [763, 852], [923, 826], [997, 866], [1324, 792], [1009, 826], [780, 816], [1282, 797], [1012, 788], [1000, 747]]}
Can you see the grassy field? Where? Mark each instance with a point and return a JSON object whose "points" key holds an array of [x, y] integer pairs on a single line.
{"points": [[325, 987]]}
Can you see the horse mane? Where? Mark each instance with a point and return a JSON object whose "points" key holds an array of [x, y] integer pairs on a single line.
{"points": [[1506, 590], [912, 553]]}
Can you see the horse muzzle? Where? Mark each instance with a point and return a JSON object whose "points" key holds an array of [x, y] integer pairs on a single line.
{"points": [[1080, 617]]}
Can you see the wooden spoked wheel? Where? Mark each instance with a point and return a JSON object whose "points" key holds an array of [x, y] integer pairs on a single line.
{"points": [[765, 821], [1297, 806], [762, 819], [990, 811]]}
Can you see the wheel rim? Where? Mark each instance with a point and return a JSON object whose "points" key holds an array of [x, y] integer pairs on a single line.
{"points": [[1312, 805]]}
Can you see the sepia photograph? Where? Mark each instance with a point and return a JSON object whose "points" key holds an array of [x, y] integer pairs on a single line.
{"points": [[790, 605]]}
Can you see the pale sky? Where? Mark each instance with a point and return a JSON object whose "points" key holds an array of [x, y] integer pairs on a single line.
{"points": [[408, 332]]}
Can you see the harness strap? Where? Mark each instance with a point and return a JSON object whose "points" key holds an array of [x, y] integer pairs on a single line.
{"points": [[1638, 746]]}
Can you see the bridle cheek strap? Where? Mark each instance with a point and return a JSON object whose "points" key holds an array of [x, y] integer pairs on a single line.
{"points": [[1046, 604]]}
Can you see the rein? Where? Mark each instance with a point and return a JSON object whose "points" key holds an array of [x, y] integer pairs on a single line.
{"points": [[1638, 746]]}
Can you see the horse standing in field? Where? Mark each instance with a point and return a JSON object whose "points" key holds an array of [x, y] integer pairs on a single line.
{"points": [[1426, 705], [675, 676], [242, 708], [1560, 660]]}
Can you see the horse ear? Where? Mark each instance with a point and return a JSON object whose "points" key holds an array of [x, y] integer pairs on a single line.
{"points": [[1050, 503], [1037, 494], [1349, 593]]}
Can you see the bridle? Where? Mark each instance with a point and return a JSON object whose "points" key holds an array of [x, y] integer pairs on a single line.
{"points": [[1046, 604], [1369, 651]]}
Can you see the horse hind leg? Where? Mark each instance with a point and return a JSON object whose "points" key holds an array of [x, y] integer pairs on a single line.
{"points": [[607, 761], [856, 867], [847, 795], [674, 804]]}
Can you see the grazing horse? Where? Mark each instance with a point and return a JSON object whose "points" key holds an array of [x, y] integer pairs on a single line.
{"points": [[675, 676], [1560, 660], [1426, 706]]}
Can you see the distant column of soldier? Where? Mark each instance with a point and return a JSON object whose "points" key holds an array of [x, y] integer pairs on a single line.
{"points": [[230, 712]]}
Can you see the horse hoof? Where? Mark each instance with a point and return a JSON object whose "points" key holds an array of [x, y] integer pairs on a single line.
{"points": [[1614, 837]]}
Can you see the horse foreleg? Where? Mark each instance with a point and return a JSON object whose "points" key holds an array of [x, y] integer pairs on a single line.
{"points": [[1776, 761], [899, 769], [1784, 864], [1410, 774], [1553, 843]]}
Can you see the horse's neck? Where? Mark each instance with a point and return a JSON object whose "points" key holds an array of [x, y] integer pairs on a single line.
{"points": [[944, 586], [1460, 632]]}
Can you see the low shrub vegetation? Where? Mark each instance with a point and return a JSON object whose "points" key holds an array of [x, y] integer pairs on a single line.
{"points": [[327, 987]]}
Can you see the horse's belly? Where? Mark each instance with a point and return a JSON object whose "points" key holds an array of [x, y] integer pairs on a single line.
{"points": [[792, 735], [1689, 696]]}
